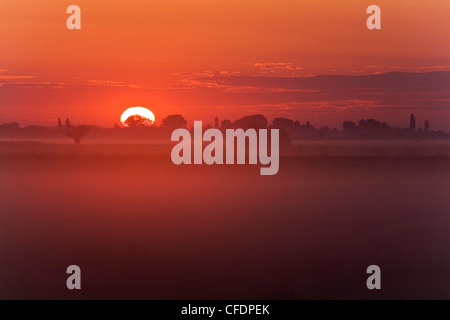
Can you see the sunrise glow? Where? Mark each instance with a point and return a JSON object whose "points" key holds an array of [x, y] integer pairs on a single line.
{"points": [[137, 111]]}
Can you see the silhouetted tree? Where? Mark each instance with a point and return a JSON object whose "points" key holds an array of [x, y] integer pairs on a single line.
{"points": [[10, 129], [348, 128], [76, 133], [173, 121], [324, 132], [10, 126], [366, 128], [306, 131], [285, 123], [426, 126], [412, 123], [216, 122], [67, 123], [138, 121], [289, 129], [60, 123], [256, 121], [226, 124], [349, 125], [284, 139]]}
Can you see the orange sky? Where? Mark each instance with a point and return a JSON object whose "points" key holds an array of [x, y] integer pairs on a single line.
{"points": [[151, 53]]}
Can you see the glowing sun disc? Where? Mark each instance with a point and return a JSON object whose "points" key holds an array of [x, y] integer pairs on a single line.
{"points": [[137, 111]]}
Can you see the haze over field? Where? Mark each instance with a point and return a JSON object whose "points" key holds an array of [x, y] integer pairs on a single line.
{"points": [[87, 178], [141, 227]]}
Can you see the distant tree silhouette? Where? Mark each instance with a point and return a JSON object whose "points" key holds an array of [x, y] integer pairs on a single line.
{"points": [[285, 139], [60, 123], [284, 123], [256, 121], [173, 121], [295, 130], [216, 122], [10, 126], [226, 124], [10, 129], [76, 133], [324, 132], [138, 121], [412, 123], [306, 131], [289, 129], [349, 125], [366, 128], [349, 128]]}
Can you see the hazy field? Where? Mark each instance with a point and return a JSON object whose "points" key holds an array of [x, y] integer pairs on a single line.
{"points": [[148, 147], [141, 227]]}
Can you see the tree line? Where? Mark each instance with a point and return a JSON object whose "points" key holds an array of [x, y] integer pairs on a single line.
{"points": [[139, 127]]}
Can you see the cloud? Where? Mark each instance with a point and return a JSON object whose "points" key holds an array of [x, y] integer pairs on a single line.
{"points": [[111, 83], [276, 66], [6, 75], [407, 108], [427, 89], [24, 81], [34, 84], [386, 68], [217, 80], [386, 82], [357, 71], [15, 77]]}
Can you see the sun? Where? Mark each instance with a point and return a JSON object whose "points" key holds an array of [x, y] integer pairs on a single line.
{"points": [[138, 112]]}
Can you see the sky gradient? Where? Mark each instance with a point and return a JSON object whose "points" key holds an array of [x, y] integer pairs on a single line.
{"points": [[230, 58]]}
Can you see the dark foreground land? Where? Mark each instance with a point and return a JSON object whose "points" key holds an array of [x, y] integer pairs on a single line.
{"points": [[141, 227]]}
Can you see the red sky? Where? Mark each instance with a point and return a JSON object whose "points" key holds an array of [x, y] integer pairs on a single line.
{"points": [[229, 58]]}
